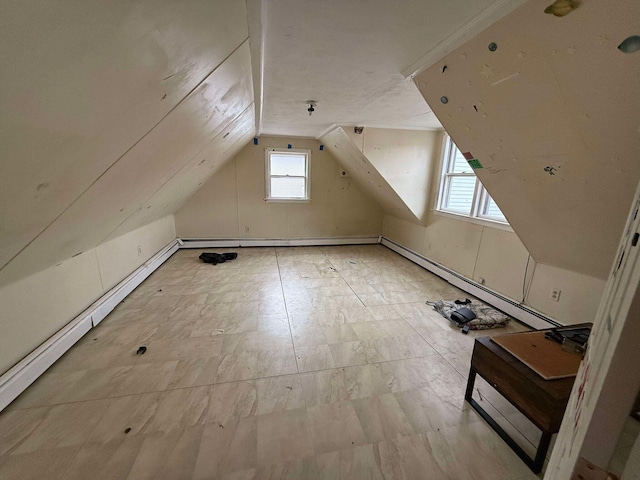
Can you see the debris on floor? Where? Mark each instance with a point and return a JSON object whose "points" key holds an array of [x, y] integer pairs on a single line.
{"points": [[472, 314], [217, 258], [141, 350]]}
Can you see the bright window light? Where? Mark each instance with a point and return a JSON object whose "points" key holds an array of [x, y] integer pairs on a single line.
{"points": [[461, 192], [287, 174]]}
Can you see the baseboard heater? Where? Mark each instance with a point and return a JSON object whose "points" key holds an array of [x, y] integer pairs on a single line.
{"points": [[276, 242], [516, 310], [25, 372]]}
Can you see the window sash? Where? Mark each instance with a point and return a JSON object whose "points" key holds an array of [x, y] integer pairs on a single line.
{"points": [[479, 203], [269, 176]]}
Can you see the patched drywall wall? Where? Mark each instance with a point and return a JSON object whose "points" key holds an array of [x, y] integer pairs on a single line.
{"points": [[232, 203], [35, 307], [552, 114]]}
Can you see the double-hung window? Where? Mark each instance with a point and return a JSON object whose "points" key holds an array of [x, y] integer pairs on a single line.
{"points": [[461, 192], [287, 174]]}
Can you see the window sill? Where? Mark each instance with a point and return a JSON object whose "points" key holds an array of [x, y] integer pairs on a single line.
{"points": [[287, 200], [478, 221]]}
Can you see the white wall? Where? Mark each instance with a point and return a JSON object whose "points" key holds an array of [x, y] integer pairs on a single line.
{"points": [[405, 159], [35, 307], [498, 256], [231, 204]]}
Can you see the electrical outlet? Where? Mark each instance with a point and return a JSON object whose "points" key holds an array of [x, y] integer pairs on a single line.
{"points": [[555, 294], [139, 250]]}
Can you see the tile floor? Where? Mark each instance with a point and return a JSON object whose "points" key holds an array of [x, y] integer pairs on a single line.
{"points": [[287, 363]]}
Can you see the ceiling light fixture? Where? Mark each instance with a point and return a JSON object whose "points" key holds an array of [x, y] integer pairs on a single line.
{"points": [[311, 104]]}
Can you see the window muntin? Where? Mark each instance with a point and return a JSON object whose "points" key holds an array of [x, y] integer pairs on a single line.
{"points": [[287, 174], [461, 192]]}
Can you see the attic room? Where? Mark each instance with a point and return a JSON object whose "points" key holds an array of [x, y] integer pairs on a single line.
{"points": [[364, 160]]}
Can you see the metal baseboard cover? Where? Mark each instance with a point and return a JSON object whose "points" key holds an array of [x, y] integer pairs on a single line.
{"points": [[276, 242], [24, 373], [516, 310]]}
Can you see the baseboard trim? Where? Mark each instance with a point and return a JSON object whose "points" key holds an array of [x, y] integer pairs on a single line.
{"points": [[516, 310], [24, 373], [276, 242]]}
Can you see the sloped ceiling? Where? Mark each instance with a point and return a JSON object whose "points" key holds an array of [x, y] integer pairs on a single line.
{"points": [[553, 115], [358, 166], [113, 113]]}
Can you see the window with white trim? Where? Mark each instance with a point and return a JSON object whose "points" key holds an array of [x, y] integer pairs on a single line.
{"points": [[461, 192], [287, 174]]}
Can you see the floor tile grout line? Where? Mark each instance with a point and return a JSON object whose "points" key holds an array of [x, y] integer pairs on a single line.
{"points": [[286, 309], [86, 440], [345, 281], [251, 379]]}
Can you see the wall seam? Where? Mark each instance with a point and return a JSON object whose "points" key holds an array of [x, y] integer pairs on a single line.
{"points": [[475, 263]]}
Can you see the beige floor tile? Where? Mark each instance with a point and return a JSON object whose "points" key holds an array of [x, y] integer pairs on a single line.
{"points": [[17, 425], [401, 347], [382, 418], [105, 461], [237, 367], [46, 390], [194, 372], [277, 394], [276, 363], [349, 463], [311, 358], [343, 384], [231, 400], [167, 456], [64, 426], [131, 413], [347, 354], [42, 464], [335, 426], [147, 377], [177, 409], [297, 469], [227, 448], [409, 457], [283, 436]]}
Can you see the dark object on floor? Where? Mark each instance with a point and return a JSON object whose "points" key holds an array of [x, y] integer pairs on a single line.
{"points": [[485, 316], [127, 430], [217, 258], [462, 316], [465, 329], [141, 350], [466, 301]]}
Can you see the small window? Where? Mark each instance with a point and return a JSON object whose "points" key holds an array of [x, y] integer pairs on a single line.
{"points": [[461, 192], [287, 175]]}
